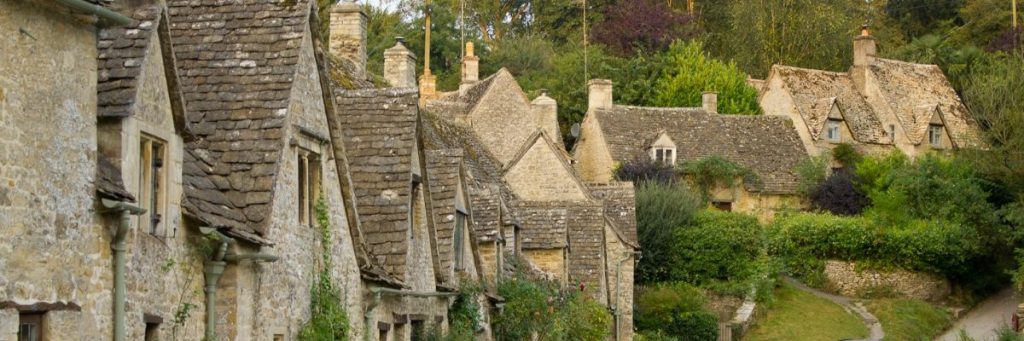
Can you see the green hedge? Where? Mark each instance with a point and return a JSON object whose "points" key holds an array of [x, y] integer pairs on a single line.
{"points": [[717, 246], [676, 309]]}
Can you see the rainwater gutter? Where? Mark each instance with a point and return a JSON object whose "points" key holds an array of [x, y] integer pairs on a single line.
{"points": [[97, 10], [214, 268], [380, 291], [618, 283], [125, 212]]}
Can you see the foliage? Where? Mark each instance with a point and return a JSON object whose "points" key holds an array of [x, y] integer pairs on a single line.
{"points": [[1002, 113], [798, 315], [839, 194], [909, 319], [846, 154], [463, 316], [649, 25], [652, 335], [540, 307], [957, 61], [917, 17], [521, 55], [812, 172], [717, 246], [660, 211], [983, 21], [329, 320], [642, 170], [708, 172], [690, 72], [676, 309]]}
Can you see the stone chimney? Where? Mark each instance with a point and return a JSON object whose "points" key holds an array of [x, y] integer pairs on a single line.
{"points": [[400, 65], [709, 101], [546, 113], [470, 65], [348, 35], [600, 94], [864, 49]]}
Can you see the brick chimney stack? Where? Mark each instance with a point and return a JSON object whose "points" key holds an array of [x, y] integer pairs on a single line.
{"points": [[400, 65], [348, 35], [600, 94]]}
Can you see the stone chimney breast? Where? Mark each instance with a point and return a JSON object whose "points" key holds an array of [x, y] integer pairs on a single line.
{"points": [[864, 48], [348, 35], [709, 101], [470, 65], [600, 94], [400, 66]]}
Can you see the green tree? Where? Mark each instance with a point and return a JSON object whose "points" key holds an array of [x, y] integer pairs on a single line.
{"points": [[983, 21], [662, 210], [920, 17], [690, 72]]}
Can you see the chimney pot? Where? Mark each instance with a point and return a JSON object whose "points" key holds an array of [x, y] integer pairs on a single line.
{"points": [[709, 101], [348, 35], [600, 94]]}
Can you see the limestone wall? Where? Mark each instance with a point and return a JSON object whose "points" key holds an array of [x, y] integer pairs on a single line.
{"points": [[593, 161], [551, 261], [620, 264], [541, 176], [847, 280]]}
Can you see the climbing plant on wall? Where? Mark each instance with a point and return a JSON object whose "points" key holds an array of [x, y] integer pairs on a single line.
{"points": [[328, 320]]}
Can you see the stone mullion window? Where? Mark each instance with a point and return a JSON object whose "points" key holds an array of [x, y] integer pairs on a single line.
{"points": [[460, 226], [152, 180], [308, 185]]}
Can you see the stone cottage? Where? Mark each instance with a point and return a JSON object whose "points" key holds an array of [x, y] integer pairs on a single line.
{"points": [[878, 105], [539, 208], [767, 146]]}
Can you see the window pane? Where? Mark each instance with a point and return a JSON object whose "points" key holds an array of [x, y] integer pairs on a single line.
{"points": [[460, 222], [659, 155], [668, 155], [302, 189]]}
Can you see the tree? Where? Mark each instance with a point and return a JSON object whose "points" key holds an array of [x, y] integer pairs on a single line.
{"points": [[920, 17], [661, 210], [983, 20], [690, 72], [1001, 110], [495, 19], [646, 24], [957, 62]]}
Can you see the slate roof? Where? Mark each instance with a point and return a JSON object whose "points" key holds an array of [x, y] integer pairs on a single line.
{"points": [[237, 65], [815, 92], [108, 181], [443, 175], [915, 91], [211, 206], [120, 56], [379, 132], [767, 145], [619, 200]]}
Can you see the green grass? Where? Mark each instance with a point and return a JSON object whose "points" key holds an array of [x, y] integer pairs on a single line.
{"points": [[909, 320], [796, 315]]}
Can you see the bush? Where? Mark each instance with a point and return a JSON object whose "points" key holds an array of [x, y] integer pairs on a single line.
{"points": [[676, 309], [846, 154], [718, 246], [689, 73], [839, 194], [660, 211], [709, 172], [642, 170], [541, 307]]}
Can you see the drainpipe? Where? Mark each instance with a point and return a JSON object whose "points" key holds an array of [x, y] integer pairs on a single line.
{"points": [[379, 291], [214, 268], [618, 280], [97, 10], [120, 247]]}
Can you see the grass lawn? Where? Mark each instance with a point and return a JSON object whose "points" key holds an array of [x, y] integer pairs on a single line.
{"points": [[797, 315], [906, 319]]}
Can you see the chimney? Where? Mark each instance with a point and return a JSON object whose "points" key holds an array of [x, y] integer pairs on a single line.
{"points": [[348, 35], [864, 48], [600, 94], [470, 65], [546, 113], [400, 65], [709, 101]]}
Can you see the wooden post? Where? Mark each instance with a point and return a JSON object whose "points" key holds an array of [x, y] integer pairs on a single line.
{"points": [[426, 45]]}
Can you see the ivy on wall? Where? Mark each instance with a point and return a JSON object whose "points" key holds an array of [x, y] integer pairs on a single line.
{"points": [[329, 321]]}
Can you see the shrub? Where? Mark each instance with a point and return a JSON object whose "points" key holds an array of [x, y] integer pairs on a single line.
{"points": [[689, 72], [329, 321], [708, 172], [839, 194], [676, 309], [542, 308], [846, 154], [642, 170], [660, 211], [652, 335], [717, 246], [812, 172]]}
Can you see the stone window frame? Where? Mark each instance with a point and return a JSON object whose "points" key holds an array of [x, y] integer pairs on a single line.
{"points": [[666, 155], [833, 130], [309, 182], [722, 205], [31, 325], [935, 135], [152, 193], [461, 218]]}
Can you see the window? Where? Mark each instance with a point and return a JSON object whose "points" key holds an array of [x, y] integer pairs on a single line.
{"points": [[935, 135], [152, 181], [419, 332], [892, 132], [664, 155], [278, 337], [722, 205], [460, 223], [30, 327], [152, 332], [832, 133], [309, 185]]}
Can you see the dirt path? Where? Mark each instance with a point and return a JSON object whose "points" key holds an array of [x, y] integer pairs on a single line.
{"points": [[982, 321], [849, 304]]}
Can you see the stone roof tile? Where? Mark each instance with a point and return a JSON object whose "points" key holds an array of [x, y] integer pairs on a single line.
{"points": [[121, 51], [815, 92], [444, 177], [108, 180]]}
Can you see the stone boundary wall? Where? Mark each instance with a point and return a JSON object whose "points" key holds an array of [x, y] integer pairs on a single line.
{"points": [[845, 279]]}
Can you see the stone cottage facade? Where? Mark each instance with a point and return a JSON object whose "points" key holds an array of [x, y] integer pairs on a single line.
{"points": [[768, 146], [878, 105]]}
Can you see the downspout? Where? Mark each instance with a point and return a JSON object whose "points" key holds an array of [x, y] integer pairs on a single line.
{"points": [[97, 10], [214, 268], [120, 247], [618, 283], [379, 291]]}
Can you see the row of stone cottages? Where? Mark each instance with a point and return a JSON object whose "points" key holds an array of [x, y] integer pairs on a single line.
{"points": [[162, 165]]}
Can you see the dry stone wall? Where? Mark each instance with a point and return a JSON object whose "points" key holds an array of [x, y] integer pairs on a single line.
{"points": [[847, 280]]}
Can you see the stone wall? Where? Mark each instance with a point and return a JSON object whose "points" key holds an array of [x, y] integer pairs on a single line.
{"points": [[551, 261], [593, 161], [620, 264], [847, 280], [541, 176]]}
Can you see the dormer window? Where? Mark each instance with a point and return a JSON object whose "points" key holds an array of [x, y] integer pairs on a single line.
{"points": [[152, 182], [935, 135], [832, 132], [665, 155]]}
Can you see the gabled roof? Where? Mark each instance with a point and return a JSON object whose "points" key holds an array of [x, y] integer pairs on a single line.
{"points": [[619, 200], [914, 91], [444, 174], [237, 69], [767, 145], [379, 129], [815, 92]]}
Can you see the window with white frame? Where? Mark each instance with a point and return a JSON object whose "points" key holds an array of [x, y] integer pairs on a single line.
{"points": [[309, 185], [832, 132], [935, 135], [666, 155], [152, 183]]}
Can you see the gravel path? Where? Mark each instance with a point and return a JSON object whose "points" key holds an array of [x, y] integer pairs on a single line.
{"points": [[982, 321], [847, 303]]}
